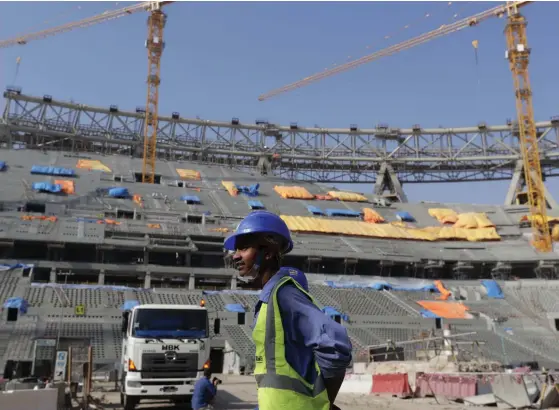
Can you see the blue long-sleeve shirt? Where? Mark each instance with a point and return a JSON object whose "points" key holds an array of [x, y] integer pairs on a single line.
{"points": [[309, 333], [204, 392]]}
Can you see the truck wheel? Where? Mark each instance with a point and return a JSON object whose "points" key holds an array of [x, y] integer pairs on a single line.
{"points": [[129, 403]]}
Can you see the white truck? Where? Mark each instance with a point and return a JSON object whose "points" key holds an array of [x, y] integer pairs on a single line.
{"points": [[165, 349]]}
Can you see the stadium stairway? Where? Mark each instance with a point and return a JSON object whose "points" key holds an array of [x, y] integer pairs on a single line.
{"points": [[6, 330], [544, 350], [400, 302], [21, 340], [240, 342]]}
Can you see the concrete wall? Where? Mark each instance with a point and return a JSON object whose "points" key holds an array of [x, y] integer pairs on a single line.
{"points": [[44, 399], [231, 360]]}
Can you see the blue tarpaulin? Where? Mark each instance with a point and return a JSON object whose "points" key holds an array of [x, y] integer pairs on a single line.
{"points": [[19, 303], [405, 216], [190, 199], [428, 314], [92, 287], [330, 311], [129, 304], [235, 307], [342, 212], [315, 210], [493, 289], [119, 192], [4, 266], [46, 187], [2, 165], [255, 205], [251, 190], [44, 170]]}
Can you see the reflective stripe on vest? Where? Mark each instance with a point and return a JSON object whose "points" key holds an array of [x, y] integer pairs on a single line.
{"points": [[270, 379]]}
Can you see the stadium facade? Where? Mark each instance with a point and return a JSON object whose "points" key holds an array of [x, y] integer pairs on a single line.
{"points": [[80, 235]]}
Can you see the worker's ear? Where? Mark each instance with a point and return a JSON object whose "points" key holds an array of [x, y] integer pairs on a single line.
{"points": [[268, 256]]}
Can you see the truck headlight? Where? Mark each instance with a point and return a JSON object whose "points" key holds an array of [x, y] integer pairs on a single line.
{"points": [[133, 383]]}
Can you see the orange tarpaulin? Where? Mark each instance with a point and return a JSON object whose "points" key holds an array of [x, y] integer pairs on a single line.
{"points": [[293, 192], [473, 220], [39, 218], [188, 174], [445, 293], [138, 199], [66, 185], [92, 164], [444, 215], [446, 310], [372, 216], [230, 187]]}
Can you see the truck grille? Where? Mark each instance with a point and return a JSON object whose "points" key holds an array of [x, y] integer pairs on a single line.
{"points": [[157, 366]]}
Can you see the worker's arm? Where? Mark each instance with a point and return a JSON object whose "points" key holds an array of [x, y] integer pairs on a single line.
{"points": [[211, 392], [327, 338]]}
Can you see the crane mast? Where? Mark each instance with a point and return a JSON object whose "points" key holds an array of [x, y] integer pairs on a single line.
{"points": [[155, 46], [518, 54]]}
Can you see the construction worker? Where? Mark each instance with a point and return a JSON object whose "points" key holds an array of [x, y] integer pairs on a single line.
{"points": [[301, 353]]}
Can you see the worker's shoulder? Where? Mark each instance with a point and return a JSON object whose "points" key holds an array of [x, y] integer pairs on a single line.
{"points": [[290, 295]]}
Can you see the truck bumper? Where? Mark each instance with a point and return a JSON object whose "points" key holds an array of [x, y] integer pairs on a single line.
{"points": [[153, 388]]}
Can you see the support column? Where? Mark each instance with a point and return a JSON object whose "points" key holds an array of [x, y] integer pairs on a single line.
{"points": [[387, 180], [517, 193], [233, 283], [191, 282], [102, 277], [264, 165], [146, 256], [188, 259], [147, 280], [52, 278]]}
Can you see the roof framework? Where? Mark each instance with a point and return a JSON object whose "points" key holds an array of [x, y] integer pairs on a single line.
{"points": [[482, 153]]}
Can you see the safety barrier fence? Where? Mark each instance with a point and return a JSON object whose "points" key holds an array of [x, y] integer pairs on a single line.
{"points": [[515, 389]]}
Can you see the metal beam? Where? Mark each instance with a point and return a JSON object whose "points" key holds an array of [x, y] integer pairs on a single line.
{"points": [[310, 154]]}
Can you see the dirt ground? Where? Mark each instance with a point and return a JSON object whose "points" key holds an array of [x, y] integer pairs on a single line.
{"points": [[239, 393]]}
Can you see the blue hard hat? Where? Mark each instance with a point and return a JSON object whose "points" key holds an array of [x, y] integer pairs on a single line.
{"points": [[260, 222], [298, 276]]}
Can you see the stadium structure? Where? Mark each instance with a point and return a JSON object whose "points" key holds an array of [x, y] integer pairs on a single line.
{"points": [[80, 235]]}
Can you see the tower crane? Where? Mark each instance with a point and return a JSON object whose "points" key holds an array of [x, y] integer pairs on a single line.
{"points": [[154, 45], [518, 54]]}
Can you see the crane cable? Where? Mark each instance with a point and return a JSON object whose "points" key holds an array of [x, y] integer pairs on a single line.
{"points": [[413, 23]]}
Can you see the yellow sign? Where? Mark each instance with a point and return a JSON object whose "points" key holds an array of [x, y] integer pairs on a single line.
{"points": [[79, 310]]}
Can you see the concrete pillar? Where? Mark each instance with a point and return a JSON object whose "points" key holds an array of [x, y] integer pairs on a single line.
{"points": [[147, 281], [146, 256], [191, 282], [101, 277], [447, 342], [52, 278], [233, 283], [188, 259]]}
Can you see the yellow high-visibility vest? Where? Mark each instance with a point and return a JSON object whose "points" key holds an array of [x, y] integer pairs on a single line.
{"points": [[280, 387]]}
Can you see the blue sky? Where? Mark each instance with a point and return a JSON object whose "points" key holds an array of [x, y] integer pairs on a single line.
{"points": [[220, 56]]}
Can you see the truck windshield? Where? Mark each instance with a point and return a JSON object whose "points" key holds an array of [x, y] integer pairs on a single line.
{"points": [[170, 323]]}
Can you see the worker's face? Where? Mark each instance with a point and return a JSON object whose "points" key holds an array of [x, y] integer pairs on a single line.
{"points": [[245, 255]]}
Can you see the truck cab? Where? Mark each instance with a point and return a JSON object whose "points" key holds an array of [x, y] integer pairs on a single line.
{"points": [[165, 349]]}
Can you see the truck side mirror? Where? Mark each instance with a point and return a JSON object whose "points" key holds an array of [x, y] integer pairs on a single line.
{"points": [[124, 325], [217, 325]]}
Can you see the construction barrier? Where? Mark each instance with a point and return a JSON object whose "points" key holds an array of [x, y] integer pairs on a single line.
{"points": [[396, 384], [449, 386], [357, 383]]}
